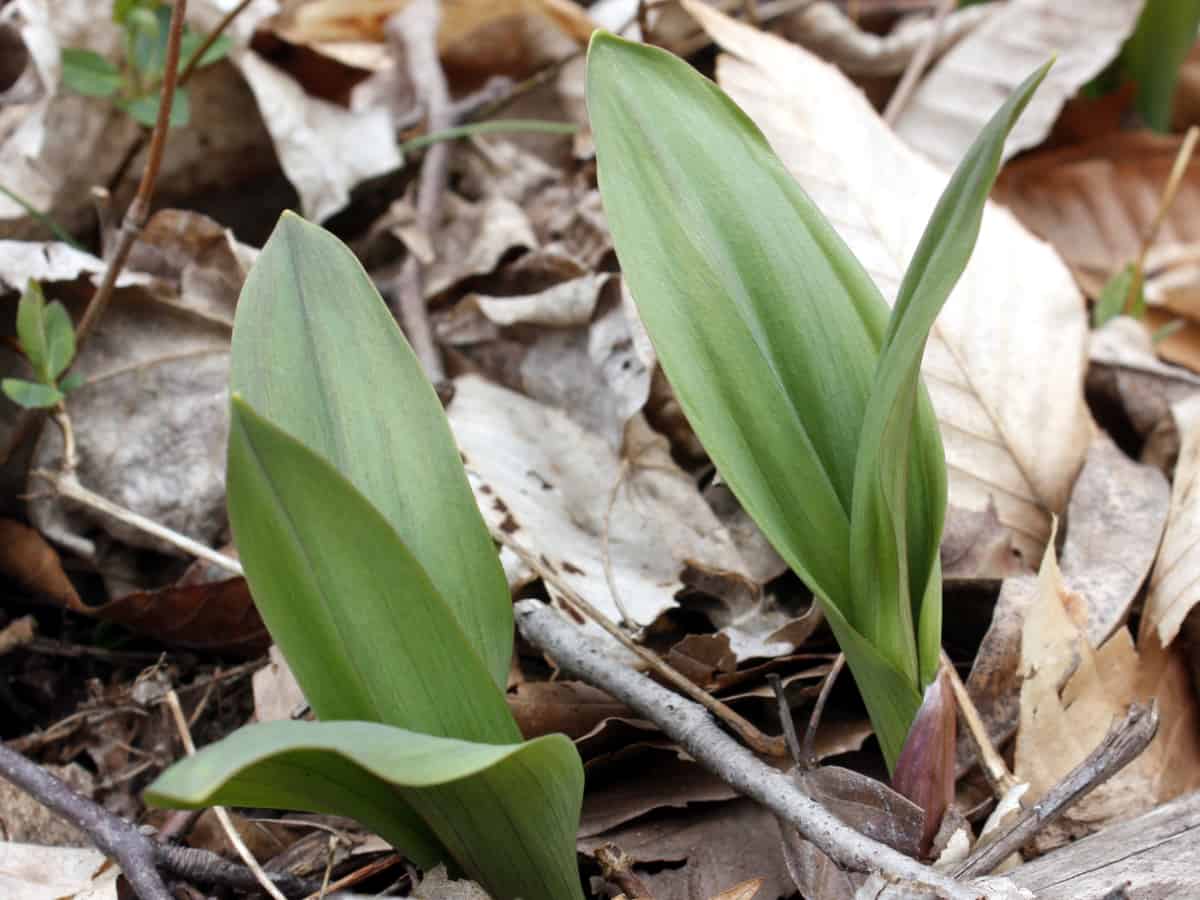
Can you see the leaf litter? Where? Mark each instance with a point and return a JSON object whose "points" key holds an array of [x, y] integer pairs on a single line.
{"points": [[578, 455]]}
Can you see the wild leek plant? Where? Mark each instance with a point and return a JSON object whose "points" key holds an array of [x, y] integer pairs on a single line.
{"points": [[374, 571], [803, 388]]}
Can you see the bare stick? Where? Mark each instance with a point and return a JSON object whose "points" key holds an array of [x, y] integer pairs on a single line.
{"points": [[1124, 742], [66, 485], [415, 29], [699, 735], [916, 65], [785, 719], [231, 833], [762, 743], [808, 757], [115, 838]]}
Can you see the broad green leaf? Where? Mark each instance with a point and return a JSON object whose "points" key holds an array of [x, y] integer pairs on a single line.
{"points": [[31, 327], [71, 382], [30, 394], [144, 109], [60, 340], [1154, 52], [506, 813], [316, 351], [765, 324], [89, 73], [365, 631], [899, 506]]}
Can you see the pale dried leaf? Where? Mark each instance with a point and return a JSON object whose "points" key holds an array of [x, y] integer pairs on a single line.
{"points": [[545, 483], [33, 872], [1006, 359], [324, 149], [437, 885], [956, 99], [747, 890], [1175, 584], [53, 261], [277, 694], [1114, 523]]}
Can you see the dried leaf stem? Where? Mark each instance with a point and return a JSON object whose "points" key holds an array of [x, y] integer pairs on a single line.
{"points": [[994, 769], [698, 734]]}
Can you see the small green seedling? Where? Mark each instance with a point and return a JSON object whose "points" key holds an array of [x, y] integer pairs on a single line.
{"points": [[375, 573], [135, 85], [803, 388], [47, 339]]}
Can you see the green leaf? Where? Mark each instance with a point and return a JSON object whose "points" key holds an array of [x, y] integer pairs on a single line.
{"points": [[31, 327], [507, 814], [191, 42], [1154, 52], [60, 340], [900, 474], [366, 633], [29, 394], [316, 351], [1114, 297], [89, 73], [144, 109], [73, 381]]}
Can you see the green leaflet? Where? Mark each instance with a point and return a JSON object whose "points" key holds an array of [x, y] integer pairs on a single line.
{"points": [[508, 813], [365, 631], [805, 393], [317, 353], [1151, 57]]}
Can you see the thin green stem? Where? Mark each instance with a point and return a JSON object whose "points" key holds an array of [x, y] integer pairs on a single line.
{"points": [[527, 126], [59, 232]]}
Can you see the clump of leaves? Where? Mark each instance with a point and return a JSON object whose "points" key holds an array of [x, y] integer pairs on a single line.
{"points": [[135, 84], [375, 573], [47, 339], [801, 385]]}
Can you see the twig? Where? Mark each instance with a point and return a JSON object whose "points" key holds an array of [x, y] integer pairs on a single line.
{"points": [[916, 65], [616, 867], [210, 39], [206, 867], [761, 743], [691, 727], [231, 833], [369, 870], [990, 760], [415, 29], [134, 852], [66, 485], [785, 719], [1124, 742], [808, 758]]}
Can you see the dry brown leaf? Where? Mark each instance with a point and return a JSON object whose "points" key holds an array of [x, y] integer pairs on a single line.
{"points": [[32, 563], [705, 848], [1175, 583], [1095, 201], [567, 707], [955, 100], [1006, 359], [277, 694], [747, 890], [1114, 523], [1070, 697]]}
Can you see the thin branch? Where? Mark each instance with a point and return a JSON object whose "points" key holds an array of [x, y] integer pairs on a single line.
{"points": [[808, 756], [762, 743], [212, 37], [66, 485], [699, 735], [916, 65], [1124, 742], [990, 760], [231, 833], [117, 839]]}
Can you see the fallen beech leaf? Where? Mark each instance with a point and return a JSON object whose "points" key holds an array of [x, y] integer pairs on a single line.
{"points": [[975, 545], [1175, 584], [1006, 359], [954, 101], [570, 707], [747, 890], [32, 872], [277, 694], [1072, 693], [1095, 201], [31, 562], [1115, 521]]}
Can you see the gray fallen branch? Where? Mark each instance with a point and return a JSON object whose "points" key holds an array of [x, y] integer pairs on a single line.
{"points": [[689, 725], [139, 856]]}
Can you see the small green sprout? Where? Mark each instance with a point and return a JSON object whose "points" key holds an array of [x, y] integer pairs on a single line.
{"points": [[47, 339], [135, 84]]}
